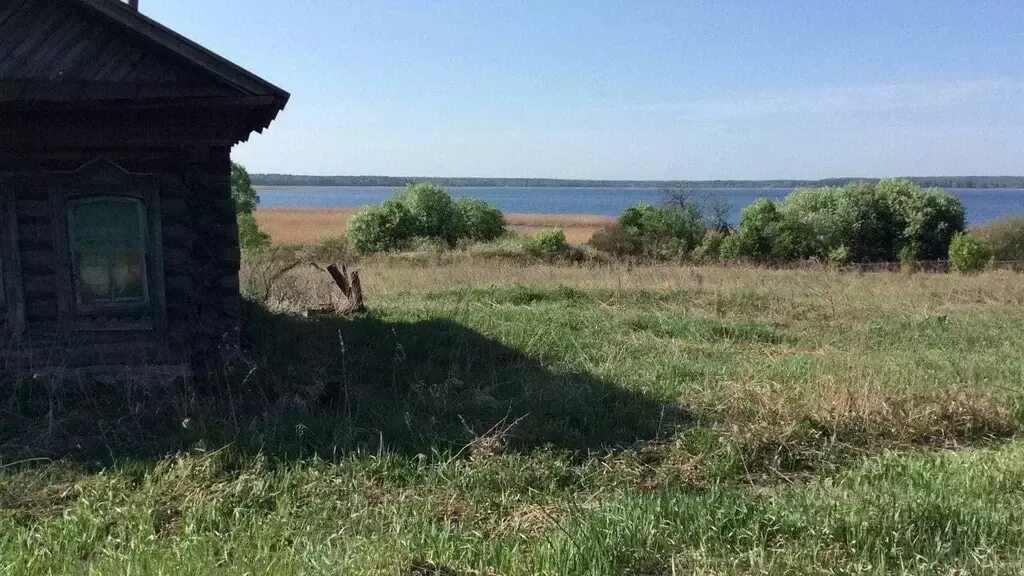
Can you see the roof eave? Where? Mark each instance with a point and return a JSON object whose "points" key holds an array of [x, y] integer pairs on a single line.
{"points": [[225, 70]]}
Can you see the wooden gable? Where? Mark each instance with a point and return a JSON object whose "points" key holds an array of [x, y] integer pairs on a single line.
{"points": [[77, 57], [57, 51]]}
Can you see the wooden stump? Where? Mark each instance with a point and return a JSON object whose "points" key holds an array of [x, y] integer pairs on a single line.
{"points": [[350, 286]]}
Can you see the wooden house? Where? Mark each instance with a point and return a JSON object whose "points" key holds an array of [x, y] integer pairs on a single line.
{"points": [[118, 243]]}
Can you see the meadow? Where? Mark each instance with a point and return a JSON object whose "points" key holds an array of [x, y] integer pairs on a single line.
{"points": [[511, 417]]}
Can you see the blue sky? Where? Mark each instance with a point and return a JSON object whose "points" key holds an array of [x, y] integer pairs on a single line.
{"points": [[631, 89]]}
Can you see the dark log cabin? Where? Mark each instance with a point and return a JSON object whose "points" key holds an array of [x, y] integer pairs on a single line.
{"points": [[119, 244]]}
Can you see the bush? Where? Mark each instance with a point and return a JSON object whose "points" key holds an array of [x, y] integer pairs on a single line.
{"points": [[550, 242], [928, 218], [669, 231], [753, 239], [433, 211], [968, 254], [908, 257], [480, 221], [731, 248], [331, 249], [839, 257], [613, 240], [250, 237], [856, 216], [711, 247], [389, 226], [872, 221], [1004, 237]]}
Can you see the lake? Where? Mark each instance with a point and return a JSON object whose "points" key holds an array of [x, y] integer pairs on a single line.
{"points": [[982, 205]]}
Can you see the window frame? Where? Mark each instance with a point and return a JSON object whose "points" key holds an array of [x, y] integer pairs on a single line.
{"points": [[113, 304], [105, 180]]}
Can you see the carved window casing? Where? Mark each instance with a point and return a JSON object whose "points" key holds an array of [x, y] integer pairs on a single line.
{"points": [[109, 250]]}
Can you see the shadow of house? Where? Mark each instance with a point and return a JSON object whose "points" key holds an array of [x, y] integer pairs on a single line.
{"points": [[327, 386]]}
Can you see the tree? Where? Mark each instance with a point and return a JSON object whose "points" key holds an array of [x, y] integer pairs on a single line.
{"points": [[435, 213], [250, 236], [245, 196]]}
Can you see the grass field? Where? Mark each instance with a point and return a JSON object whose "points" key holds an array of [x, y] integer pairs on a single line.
{"points": [[490, 417], [307, 225]]}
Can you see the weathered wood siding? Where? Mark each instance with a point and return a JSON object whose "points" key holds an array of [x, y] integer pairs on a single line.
{"points": [[199, 264]]}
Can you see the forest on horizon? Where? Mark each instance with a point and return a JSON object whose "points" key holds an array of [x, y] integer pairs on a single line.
{"points": [[983, 182]]}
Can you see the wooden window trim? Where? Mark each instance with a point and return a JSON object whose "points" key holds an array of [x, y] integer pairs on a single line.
{"points": [[102, 179], [135, 304]]}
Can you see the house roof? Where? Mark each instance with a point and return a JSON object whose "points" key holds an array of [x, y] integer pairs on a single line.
{"points": [[89, 52]]}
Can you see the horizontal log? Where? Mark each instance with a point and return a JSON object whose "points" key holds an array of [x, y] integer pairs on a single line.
{"points": [[35, 234], [28, 208], [39, 285], [34, 261]]}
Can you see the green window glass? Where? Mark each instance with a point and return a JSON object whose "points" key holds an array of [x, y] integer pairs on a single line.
{"points": [[108, 249]]}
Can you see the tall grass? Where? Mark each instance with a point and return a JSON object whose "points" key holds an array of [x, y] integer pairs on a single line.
{"points": [[488, 418]]}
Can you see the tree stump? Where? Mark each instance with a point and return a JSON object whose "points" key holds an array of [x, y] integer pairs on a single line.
{"points": [[350, 286]]}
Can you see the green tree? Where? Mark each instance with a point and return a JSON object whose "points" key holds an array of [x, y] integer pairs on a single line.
{"points": [[663, 231], [435, 214], [968, 253], [389, 226], [245, 196], [480, 220], [250, 236]]}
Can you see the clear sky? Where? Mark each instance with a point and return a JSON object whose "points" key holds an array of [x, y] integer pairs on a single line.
{"points": [[630, 89]]}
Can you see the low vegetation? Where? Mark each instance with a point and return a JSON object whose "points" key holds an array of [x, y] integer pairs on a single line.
{"points": [[548, 418], [968, 254], [1004, 238], [423, 211], [864, 222]]}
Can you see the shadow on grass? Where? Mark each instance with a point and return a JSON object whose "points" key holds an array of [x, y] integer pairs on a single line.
{"points": [[328, 386]]}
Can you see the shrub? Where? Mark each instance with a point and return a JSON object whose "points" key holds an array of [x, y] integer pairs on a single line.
{"points": [[871, 221], [613, 240], [968, 254], [666, 231], [389, 226], [480, 221], [731, 248], [929, 218], [908, 257], [250, 236], [550, 242], [839, 256], [854, 216], [711, 246], [433, 211], [1005, 237], [753, 239], [331, 249]]}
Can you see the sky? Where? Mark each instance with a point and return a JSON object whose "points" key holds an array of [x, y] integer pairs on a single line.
{"points": [[631, 89]]}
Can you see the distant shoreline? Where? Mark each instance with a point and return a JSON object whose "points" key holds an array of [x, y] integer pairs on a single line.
{"points": [[288, 181]]}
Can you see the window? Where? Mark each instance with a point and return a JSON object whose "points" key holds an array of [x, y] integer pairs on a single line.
{"points": [[107, 237]]}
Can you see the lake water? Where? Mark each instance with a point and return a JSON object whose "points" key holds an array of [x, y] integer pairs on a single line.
{"points": [[982, 205]]}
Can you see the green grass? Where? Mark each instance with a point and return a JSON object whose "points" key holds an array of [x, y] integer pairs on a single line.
{"points": [[789, 423]]}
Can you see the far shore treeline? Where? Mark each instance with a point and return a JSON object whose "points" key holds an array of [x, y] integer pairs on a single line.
{"points": [[400, 181]]}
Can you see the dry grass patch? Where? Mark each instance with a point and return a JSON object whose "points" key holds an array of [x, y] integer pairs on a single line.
{"points": [[302, 226]]}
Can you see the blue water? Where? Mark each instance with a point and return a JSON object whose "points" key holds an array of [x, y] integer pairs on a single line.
{"points": [[982, 205]]}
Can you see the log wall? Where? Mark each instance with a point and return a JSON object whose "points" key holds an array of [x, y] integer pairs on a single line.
{"points": [[199, 263]]}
